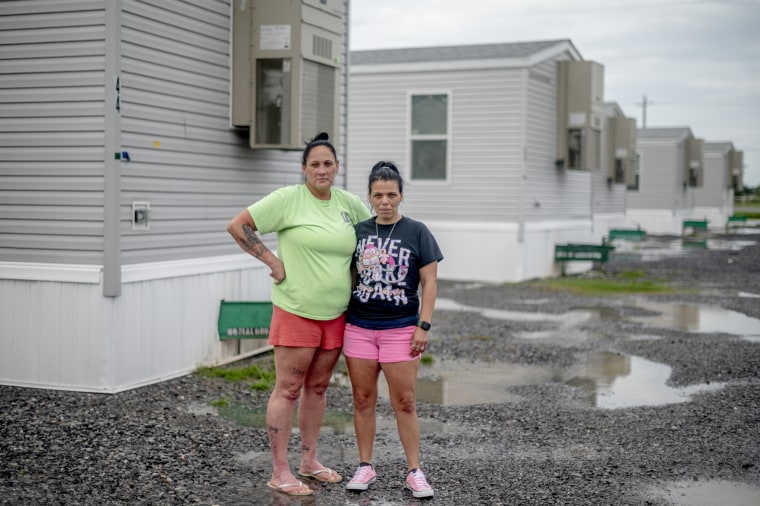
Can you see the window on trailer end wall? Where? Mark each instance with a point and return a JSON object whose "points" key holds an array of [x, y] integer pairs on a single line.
{"points": [[429, 137]]}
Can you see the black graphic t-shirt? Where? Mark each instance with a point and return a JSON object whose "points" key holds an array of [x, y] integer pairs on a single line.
{"points": [[385, 294]]}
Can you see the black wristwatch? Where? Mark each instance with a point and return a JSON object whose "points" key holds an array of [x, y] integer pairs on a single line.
{"points": [[423, 325]]}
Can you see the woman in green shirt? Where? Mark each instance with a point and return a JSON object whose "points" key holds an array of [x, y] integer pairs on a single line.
{"points": [[314, 223]]}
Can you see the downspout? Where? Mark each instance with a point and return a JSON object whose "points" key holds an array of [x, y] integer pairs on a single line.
{"points": [[112, 152], [523, 160], [343, 121]]}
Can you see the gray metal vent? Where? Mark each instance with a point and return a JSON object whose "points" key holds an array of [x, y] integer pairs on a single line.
{"points": [[321, 47]]}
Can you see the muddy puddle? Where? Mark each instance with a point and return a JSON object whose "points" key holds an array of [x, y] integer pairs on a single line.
{"points": [[693, 318], [616, 380], [708, 493], [608, 380], [699, 319], [569, 318]]}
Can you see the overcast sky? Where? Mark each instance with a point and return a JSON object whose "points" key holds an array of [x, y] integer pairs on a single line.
{"points": [[697, 61]]}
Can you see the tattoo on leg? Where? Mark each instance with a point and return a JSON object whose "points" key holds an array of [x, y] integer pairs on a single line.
{"points": [[298, 372]]}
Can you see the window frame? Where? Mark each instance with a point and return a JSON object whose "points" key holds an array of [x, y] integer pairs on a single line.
{"points": [[410, 137]]}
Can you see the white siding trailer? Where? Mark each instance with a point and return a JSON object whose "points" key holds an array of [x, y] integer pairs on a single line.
{"points": [[499, 145], [715, 199], [663, 197]]}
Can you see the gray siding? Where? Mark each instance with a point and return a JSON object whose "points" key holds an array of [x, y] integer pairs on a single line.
{"points": [[549, 192], [185, 161], [607, 198], [716, 181], [52, 131], [486, 135], [173, 63], [660, 176]]}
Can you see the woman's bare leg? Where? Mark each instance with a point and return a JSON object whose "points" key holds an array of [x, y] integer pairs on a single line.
{"points": [[291, 365], [311, 407], [364, 374], [402, 386]]}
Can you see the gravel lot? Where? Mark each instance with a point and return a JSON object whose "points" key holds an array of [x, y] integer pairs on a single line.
{"points": [[548, 438]]}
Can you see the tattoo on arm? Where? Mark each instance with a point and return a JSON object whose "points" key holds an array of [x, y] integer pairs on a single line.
{"points": [[251, 242]]}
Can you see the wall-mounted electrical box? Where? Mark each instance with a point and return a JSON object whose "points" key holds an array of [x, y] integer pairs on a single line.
{"points": [[695, 162], [580, 114], [737, 170], [286, 75], [621, 150], [140, 215]]}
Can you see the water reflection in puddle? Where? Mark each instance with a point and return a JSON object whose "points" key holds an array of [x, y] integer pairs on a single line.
{"points": [[654, 248], [611, 381], [699, 319], [569, 318], [623, 381], [453, 383], [709, 493]]}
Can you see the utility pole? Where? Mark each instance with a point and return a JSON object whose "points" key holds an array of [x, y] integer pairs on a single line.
{"points": [[643, 104]]}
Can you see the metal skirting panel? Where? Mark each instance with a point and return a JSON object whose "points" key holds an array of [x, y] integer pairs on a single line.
{"points": [[501, 257], [64, 335], [658, 221]]}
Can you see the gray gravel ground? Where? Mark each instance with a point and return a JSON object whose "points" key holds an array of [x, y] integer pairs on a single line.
{"points": [[546, 442]]}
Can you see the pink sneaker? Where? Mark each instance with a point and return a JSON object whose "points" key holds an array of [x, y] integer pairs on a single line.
{"points": [[362, 479], [416, 482]]}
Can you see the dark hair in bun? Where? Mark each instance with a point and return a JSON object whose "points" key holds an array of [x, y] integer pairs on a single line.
{"points": [[385, 171], [322, 139]]}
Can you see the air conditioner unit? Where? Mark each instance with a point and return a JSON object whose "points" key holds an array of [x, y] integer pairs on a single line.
{"points": [[737, 170], [621, 149], [695, 161], [287, 64], [580, 114]]}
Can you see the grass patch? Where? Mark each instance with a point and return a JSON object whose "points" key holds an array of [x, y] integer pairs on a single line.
{"points": [[631, 275], [587, 286], [426, 360], [261, 377], [749, 215], [220, 403]]}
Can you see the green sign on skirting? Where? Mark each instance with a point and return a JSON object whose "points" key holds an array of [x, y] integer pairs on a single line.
{"points": [[244, 320], [583, 252]]}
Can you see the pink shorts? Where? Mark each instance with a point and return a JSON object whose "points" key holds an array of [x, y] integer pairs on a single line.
{"points": [[390, 345], [288, 329]]}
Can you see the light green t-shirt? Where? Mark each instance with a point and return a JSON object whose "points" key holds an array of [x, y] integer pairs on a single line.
{"points": [[316, 241]]}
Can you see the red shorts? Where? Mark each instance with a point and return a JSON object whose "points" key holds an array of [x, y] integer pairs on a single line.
{"points": [[288, 329]]}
